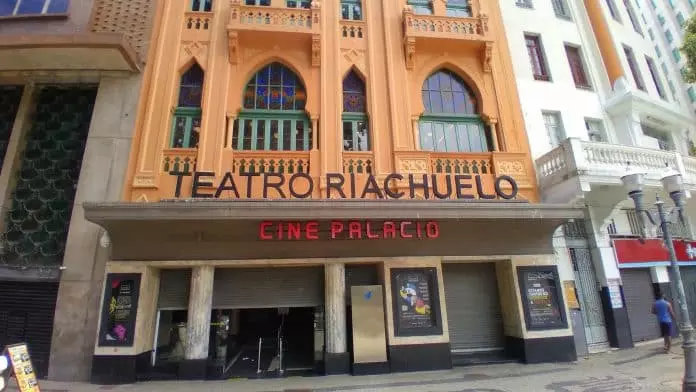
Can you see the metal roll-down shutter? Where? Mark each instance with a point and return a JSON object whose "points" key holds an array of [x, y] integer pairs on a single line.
{"points": [[473, 308], [174, 288], [640, 297], [269, 287]]}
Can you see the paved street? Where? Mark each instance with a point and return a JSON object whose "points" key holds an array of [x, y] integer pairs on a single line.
{"points": [[644, 368]]}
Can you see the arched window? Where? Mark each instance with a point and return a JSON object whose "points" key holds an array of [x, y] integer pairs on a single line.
{"points": [[186, 125], [351, 10], [355, 127], [273, 116], [451, 122], [201, 5], [458, 8]]}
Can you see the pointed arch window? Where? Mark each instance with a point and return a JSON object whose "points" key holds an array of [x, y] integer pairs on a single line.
{"points": [[186, 124], [351, 10], [421, 7], [356, 136], [273, 116], [202, 5], [451, 122]]}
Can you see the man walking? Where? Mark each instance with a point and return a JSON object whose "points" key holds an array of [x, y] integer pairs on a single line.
{"points": [[663, 310]]}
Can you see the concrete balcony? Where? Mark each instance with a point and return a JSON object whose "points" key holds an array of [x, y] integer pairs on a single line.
{"points": [[578, 166], [439, 30], [273, 23]]}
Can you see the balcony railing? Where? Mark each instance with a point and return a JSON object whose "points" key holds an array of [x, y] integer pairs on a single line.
{"points": [[180, 160], [197, 26], [353, 29], [605, 163], [281, 162], [264, 18], [446, 27], [358, 162], [448, 163]]}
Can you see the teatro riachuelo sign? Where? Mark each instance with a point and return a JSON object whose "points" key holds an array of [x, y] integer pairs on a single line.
{"points": [[346, 186]]}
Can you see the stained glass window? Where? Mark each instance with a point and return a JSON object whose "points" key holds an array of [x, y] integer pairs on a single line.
{"points": [[186, 122], [421, 7], [191, 87], [451, 122], [355, 126], [33, 7], [273, 117], [275, 87]]}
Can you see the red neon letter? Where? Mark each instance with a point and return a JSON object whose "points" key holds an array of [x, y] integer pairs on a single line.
{"points": [[355, 228], [419, 230], [280, 231], [336, 227], [294, 231], [433, 229], [389, 230], [312, 230], [262, 231], [370, 234], [403, 229]]}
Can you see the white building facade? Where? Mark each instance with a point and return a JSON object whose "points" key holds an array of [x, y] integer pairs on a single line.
{"points": [[600, 87]]}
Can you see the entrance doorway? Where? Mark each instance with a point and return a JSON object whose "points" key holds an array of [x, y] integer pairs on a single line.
{"points": [[271, 342]]}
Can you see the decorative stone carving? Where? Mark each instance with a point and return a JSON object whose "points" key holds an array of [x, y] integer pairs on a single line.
{"points": [[413, 166], [144, 180], [316, 50], [410, 50], [142, 198], [132, 18], [487, 57], [233, 46], [511, 168]]}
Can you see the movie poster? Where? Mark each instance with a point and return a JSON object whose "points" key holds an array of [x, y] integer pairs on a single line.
{"points": [[543, 302], [414, 300], [120, 307]]}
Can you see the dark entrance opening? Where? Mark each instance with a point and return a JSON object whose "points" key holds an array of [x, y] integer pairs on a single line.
{"points": [[272, 342]]}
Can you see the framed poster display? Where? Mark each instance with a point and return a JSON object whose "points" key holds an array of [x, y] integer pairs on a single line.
{"points": [[542, 298], [416, 302], [119, 309], [21, 367]]}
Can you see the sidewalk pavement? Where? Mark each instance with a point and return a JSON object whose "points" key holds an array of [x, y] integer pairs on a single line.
{"points": [[644, 368]]}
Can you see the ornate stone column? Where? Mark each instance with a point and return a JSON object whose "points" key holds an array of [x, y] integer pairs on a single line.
{"points": [[198, 325], [336, 359]]}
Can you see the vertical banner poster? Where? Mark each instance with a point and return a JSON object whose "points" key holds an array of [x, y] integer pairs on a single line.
{"points": [[19, 357], [416, 302], [119, 310], [542, 298]]}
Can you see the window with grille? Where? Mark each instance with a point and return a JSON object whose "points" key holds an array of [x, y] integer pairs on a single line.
{"points": [[298, 3], [577, 67], [656, 77], [33, 7], [633, 66], [356, 136], [560, 8], [669, 36], [421, 7], [632, 16], [186, 123], [676, 55], [451, 121], [201, 5], [554, 127], [536, 57], [595, 130], [273, 116], [524, 3], [681, 19], [613, 10], [264, 3], [351, 10], [458, 8]]}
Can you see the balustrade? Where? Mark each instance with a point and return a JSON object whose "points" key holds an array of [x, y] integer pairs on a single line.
{"points": [[197, 26], [179, 160]]}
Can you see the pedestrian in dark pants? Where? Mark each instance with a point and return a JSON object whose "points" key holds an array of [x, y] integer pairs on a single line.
{"points": [[665, 314]]}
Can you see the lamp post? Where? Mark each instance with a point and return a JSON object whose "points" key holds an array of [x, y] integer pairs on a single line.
{"points": [[672, 182]]}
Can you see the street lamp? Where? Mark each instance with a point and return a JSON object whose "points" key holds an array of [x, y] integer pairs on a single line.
{"points": [[672, 182]]}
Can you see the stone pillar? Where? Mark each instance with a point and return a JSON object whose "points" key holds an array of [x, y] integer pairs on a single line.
{"points": [[198, 325], [337, 360]]}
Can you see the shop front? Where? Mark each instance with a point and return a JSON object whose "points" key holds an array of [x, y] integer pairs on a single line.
{"points": [[253, 288], [645, 273]]}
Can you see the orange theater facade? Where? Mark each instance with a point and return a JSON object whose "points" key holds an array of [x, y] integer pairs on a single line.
{"points": [[328, 187]]}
